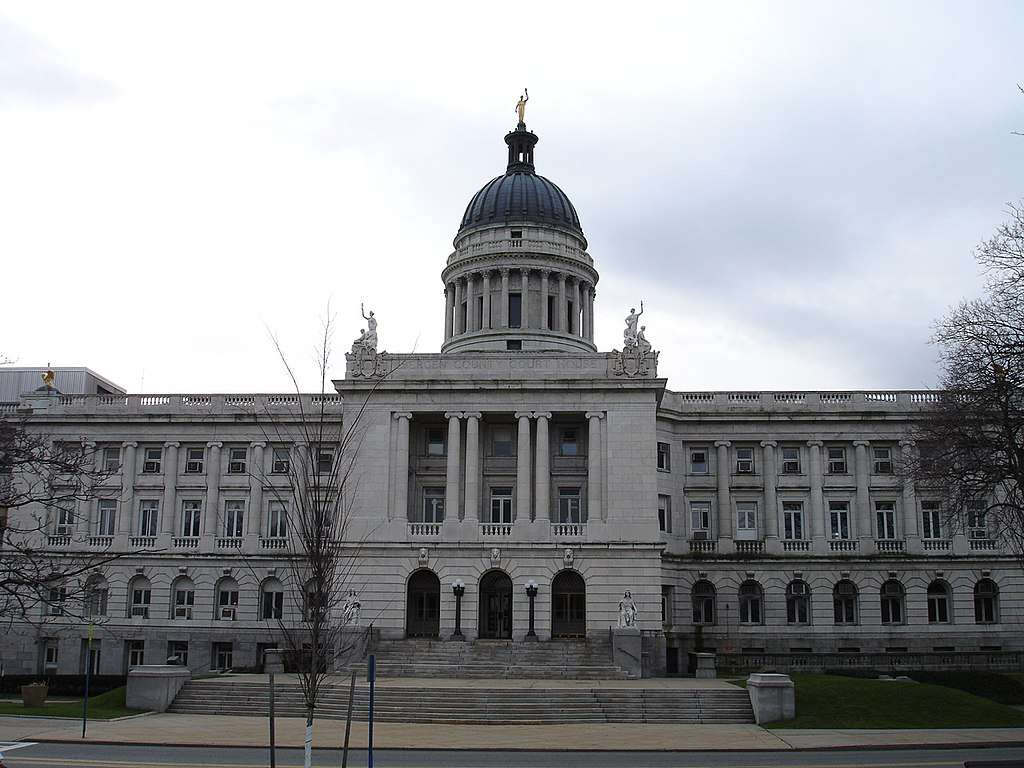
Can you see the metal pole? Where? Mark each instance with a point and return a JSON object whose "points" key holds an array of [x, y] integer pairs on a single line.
{"points": [[88, 671], [348, 720], [273, 756], [371, 676]]}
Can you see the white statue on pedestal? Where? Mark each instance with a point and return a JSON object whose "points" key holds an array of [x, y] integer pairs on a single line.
{"points": [[627, 610], [350, 613], [629, 337]]}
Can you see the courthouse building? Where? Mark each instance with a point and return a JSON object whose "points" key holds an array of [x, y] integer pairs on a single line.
{"points": [[746, 522]]}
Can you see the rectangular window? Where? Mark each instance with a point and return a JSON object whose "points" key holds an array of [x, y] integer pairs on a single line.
{"points": [[106, 517], [56, 600], [222, 656], [699, 461], [664, 457], [282, 462], [178, 650], [977, 519], [793, 520], [515, 310], [882, 458], [569, 508], [501, 441], [568, 442], [570, 317], [234, 518], [277, 520], [435, 441], [273, 605], [325, 461], [551, 313], [184, 598], [839, 519], [700, 518], [433, 505], [501, 505], [96, 600], [746, 519], [191, 515], [836, 460], [141, 599], [149, 512], [790, 460], [136, 652], [931, 520], [112, 459], [885, 519], [152, 458], [664, 513], [195, 461], [65, 517], [236, 461], [744, 461]]}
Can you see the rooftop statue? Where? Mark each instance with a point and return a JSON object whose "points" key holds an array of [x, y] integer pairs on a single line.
{"points": [[521, 106], [367, 338], [629, 336]]}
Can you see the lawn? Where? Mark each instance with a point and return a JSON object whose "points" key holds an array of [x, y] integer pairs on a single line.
{"points": [[831, 701], [101, 707]]}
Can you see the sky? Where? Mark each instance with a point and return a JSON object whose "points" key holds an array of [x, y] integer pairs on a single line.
{"points": [[794, 190]]}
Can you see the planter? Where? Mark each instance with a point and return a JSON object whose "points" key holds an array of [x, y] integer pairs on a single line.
{"points": [[34, 695]]}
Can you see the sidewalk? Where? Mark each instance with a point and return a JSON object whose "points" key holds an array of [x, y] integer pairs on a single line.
{"points": [[227, 730]]}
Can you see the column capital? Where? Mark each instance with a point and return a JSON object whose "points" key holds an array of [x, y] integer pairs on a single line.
{"points": [[562, 277], [722, 443], [907, 444], [524, 414], [485, 273], [544, 272], [861, 443], [453, 415], [594, 414], [401, 415], [504, 271], [769, 444], [472, 415], [130, 444], [814, 443], [259, 444], [215, 444], [542, 415], [172, 444]]}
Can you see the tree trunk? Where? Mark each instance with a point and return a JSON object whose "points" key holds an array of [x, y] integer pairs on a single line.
{"points": [[307, 759]]}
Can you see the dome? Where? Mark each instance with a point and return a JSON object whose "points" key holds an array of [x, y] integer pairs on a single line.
{"points": [[521, 195]]}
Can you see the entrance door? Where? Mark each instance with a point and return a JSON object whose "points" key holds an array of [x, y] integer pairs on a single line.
{"points": [[423, 605], [568, 605], [496, 606]]}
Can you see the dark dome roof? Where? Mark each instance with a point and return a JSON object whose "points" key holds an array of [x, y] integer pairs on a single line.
{"points": [[521, 196]]}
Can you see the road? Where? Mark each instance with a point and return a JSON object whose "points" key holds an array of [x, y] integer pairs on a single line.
{"points": [[123, 756]]}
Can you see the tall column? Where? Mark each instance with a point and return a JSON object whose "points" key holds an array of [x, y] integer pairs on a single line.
{"points": [[576, 314], [504, 298], [818, 525], [724, 503], [562, 312], [470, 309], [451, 490], [169, 502], [585, 307], [770, 476], [486, 320], [400, 505], [523, 468], [910, 528], [524, 292], [457, 315], [594, 467], [127, 510], [254, 525], [542, 479], [864, 527], [211, 512], [449, 309], [545, 322], [472, 513], [590, 313]]}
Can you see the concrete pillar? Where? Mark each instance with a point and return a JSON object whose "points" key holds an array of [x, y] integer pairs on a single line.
{"points": [[522, 511], [400, 505], [590, 312], [472, 512], [124, 519], [504, 298], [211, 512], [257, 472], [169, 501], [910, 527], [594, 467], [457, 315], [449, 309], [544, 320], [562, 311], [470, 311], [576, 331], [818, 523], [542, 479], [585, 307], [770, 476], [724, 502], [524, 292], [864, 526], [451, 492], [486, 321]]}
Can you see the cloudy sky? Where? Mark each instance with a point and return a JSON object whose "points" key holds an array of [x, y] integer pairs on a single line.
{"points": [[794, 189]]}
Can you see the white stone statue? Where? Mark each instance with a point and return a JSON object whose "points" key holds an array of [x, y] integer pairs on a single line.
{"points": [[641, 341], [350, 613], [370, 337], [629, 336], [627, 610]]}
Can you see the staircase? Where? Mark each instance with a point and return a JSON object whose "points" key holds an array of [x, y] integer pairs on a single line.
{"points": [[554, 660], [393, 704]]}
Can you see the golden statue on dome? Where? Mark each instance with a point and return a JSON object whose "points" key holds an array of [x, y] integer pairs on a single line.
{"points": [[521, 106]]}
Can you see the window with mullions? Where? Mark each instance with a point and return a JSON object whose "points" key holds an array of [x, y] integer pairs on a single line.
{"points": [[664, 513], [502, 444], [986, 597], [892, 598], [149, 510], [433, 505], [931, 520], [885, 519], [793, 520], [515, 310], [938, 603], [234, 518], [703, 595], [790, 460], [568, 442], [836, 460], [277, 520], [882, 460], [699, 461], [191, 515], [798, 599], [664, 457], [106, 516], [435, 441], [501, 505], [237, 461], [750, 597], [844, 602], [112, 459], [569, 507], [700, 519], [839, 519]]}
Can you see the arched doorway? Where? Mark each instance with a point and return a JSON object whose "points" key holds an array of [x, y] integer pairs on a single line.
{"points": [[496, 606], [568, 605], [423, 605]]}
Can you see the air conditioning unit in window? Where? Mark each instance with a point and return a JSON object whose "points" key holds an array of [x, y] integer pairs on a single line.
{"points": [[194, 466], [62, 530], [700, 535], [182, 612], [978, 533], [883, 468], [280, 468], [236, 467], [227, 613], [744, 467], [140, 611], [151, 467]]}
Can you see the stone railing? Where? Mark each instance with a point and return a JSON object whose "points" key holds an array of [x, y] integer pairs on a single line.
{"points": [[273, 543], [703, 546], [935, 545], [142, 542], [565, 530], [688, 402], [843, 545], [229, 542], [184, 404], [101, 542], [889, 546], [63, 540], [744, 663], [495, 529], [796, 545], [983, 545], [749, 547], [520, 245], [425, 529], [185, 542]]}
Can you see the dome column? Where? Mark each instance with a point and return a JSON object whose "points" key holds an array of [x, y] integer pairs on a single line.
{"points": [[563, 311], [591, 291], [585, 302], [545, 322], [485, 323], [470, 324], [457, 317], [449, 310], [577, 316], [524, 303], [504, 298]]}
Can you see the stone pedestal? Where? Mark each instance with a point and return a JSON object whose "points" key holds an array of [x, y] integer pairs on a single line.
{"points": [[772, 697], [153, 687], [706, 669], [627, 650], [273, 661]]}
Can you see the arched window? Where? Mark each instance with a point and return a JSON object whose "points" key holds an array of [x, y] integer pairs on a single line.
{"points": [[272, 599], [892, 597], [844, 602], [703, 602], [96, 591], [798, 602], [986, 602], [183, 598], [751, 599], [938, 602], [140, 595], [227, 599], [314, 602]]}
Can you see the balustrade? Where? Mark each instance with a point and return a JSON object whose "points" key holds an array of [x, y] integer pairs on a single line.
{"points": [[495, 529], [983, 545], [101, 541], [275, 543], [424, 529], [935, 545], [703, 546], [59, 541], [185, 542], [564, 530], [843, 545], [231, 542], [796, 545], [749, 547], [889, 546], [142, 542]]}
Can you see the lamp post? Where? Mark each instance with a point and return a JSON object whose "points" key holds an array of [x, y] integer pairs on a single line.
{"points": [[531, 592], [458, 589]]}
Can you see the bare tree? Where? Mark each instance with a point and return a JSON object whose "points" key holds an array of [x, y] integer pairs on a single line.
{"points": [[971, 442]]}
